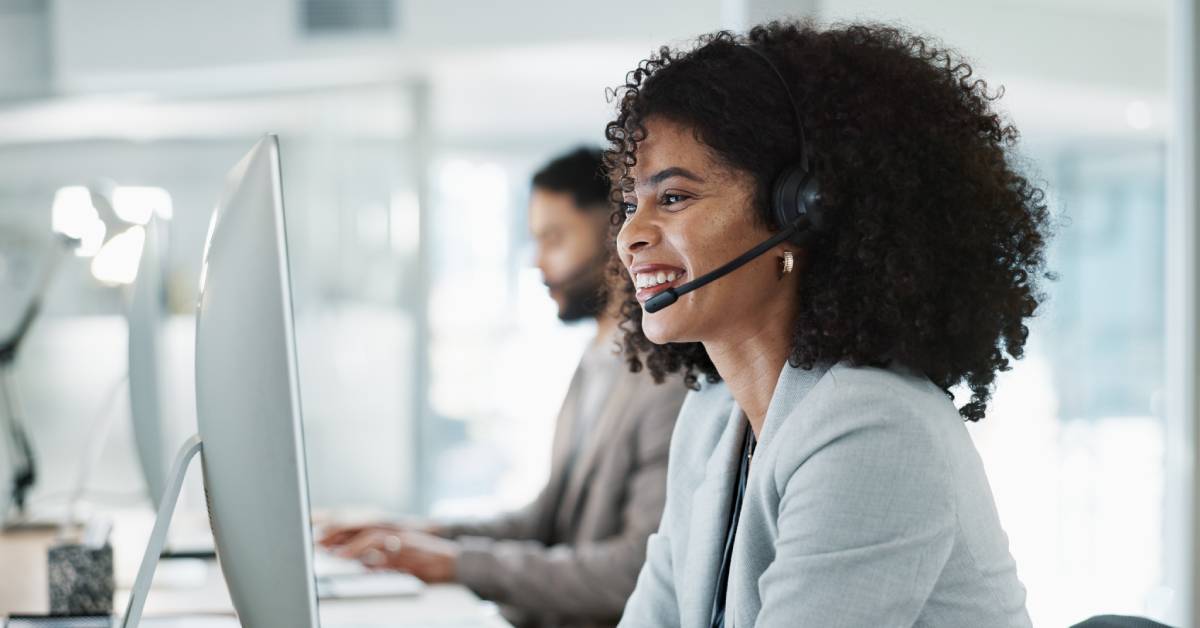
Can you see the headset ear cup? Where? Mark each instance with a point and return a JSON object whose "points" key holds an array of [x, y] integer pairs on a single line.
{"points": [[810, 198], [796, 195]]}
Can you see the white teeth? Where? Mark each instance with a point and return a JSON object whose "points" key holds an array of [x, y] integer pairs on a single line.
{"points": [[649, 280]]}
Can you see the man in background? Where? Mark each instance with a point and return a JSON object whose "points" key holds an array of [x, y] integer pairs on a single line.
{"points": [[571, 557]]}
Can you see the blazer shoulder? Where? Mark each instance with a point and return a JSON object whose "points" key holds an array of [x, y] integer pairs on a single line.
{"points": [[893, 394], [867, 411], [653, 402], [648, 411], [892, 380], [671, 390]]}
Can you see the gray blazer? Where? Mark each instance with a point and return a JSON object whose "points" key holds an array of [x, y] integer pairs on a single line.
{"points": [[867, 505], [572, 556]]}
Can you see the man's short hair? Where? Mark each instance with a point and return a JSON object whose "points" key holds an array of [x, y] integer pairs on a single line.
{"points": [[581, 174]]}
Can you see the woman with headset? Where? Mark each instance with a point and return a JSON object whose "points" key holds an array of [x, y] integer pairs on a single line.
{"points": [[886, 251]]}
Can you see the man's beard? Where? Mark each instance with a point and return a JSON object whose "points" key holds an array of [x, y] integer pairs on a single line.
{"points": [[584, 292]]}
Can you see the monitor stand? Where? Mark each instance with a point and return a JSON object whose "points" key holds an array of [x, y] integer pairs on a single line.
{"points": [[158, 537]]}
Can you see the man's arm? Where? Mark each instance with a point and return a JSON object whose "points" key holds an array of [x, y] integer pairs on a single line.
{"points": [[530, 523], [523, 524], [585, 580], [653, 601]]}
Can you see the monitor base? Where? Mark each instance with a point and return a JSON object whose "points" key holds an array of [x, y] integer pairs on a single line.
{"points": [[158, 537]]}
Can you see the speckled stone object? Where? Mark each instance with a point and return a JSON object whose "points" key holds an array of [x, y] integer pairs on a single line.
{"points": [[81, 580]]}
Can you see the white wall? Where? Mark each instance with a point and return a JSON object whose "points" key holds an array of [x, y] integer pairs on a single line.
{"points": [[24, 49], [541, 66]]}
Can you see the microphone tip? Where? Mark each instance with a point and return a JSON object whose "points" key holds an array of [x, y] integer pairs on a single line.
{"points": [[660, 300]]}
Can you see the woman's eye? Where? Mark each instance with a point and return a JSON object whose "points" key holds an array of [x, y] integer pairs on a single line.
{"points": [[628, 209], [671, 199]]}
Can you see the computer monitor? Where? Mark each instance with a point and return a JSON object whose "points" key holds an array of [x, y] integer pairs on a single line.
{"points": [[153, 426], [248, 401], [145, 317], [248, 409]]}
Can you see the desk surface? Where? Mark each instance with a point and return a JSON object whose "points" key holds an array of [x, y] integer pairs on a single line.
{"points": [[192, 593]]}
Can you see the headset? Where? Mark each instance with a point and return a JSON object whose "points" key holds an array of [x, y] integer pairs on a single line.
{"points": [[795, 205]]}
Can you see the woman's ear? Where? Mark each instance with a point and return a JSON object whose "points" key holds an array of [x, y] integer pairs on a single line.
{"points": [[792, 260]]}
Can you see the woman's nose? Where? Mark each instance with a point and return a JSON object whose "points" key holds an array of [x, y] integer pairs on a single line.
{"points": [[637, 233]]}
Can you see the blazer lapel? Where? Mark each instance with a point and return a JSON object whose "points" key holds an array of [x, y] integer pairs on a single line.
{"points": [[607, 423], [564, 432], [791, 388], [711, 502]]}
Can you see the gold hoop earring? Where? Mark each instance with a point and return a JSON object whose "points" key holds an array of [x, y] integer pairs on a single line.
{"points": [[786, 263]]}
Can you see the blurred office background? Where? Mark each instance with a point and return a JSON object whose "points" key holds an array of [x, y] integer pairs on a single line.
{"points": [[431, 361]]}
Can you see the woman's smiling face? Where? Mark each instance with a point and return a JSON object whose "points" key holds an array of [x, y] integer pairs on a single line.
{"points": [[686, 215]]}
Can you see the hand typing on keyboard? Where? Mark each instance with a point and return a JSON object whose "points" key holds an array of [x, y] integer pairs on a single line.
{"points": [[428, 557]]}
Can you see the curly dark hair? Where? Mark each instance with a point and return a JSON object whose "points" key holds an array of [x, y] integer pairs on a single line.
{"points": [[937, 244]]}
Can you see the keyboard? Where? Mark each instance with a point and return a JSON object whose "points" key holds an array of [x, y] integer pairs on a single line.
{"points": [[343, 578]]}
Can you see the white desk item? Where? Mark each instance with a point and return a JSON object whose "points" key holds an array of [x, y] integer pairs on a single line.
{"points": [[200, 598], [248, 410], [58, 622], [326, 563], [346, 578], [367, 585]]}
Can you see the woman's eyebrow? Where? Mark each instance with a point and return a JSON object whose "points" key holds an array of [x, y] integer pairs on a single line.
{"points": [[667, 173]]}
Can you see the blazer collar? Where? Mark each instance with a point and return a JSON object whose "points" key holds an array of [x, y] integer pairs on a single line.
{"points": [[710, 514], [600, 437], [791, 388], [712, 498]]}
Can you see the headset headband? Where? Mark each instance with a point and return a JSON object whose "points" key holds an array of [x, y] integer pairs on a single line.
{"points": [[804, 163]]}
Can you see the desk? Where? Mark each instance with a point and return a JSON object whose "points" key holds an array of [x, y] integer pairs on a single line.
{"points": [[197, 588]]}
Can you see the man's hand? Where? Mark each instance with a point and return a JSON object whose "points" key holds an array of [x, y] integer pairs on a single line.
{"points": [[334, 536], [430, 558]]}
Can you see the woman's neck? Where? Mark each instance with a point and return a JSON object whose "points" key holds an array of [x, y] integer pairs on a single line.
{"points": [[750, 361]]}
